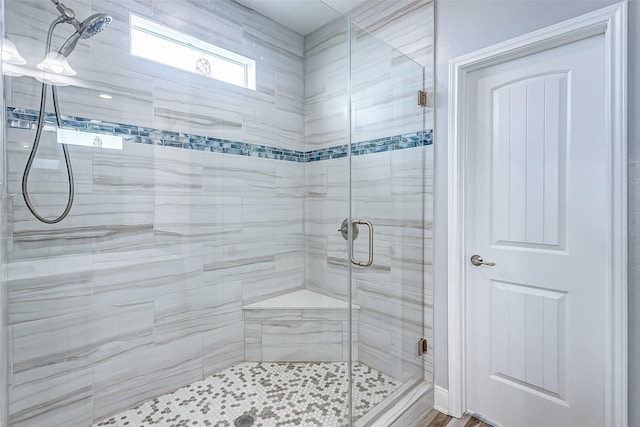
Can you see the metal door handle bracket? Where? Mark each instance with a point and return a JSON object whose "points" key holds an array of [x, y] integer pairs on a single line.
{"points": [[370, 259]]}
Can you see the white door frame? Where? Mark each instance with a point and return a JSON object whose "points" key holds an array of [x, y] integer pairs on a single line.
{"points": [[612, 22]]}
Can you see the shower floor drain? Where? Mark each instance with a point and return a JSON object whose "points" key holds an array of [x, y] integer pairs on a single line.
{"points": [[243, 421]]}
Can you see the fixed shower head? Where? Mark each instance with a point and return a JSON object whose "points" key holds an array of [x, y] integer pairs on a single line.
{"points": [[87, 29]]}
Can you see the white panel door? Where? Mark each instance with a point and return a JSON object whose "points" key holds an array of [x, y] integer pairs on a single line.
{"points": [[537, 207]]}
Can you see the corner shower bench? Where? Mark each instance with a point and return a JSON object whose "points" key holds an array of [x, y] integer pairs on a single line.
{"points": [[300, 326]]}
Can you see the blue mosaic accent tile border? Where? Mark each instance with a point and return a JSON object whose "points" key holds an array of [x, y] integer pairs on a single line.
{"points": [[27, 119], [391, 143]]}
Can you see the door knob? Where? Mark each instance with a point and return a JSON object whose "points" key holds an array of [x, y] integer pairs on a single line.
{"points": [[478, 261]]}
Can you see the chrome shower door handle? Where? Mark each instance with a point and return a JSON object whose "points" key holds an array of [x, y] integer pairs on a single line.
{"points": [[369, 261]]}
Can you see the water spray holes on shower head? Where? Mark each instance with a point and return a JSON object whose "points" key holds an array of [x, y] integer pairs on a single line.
{"points": [[94, 24], [243, 421]]}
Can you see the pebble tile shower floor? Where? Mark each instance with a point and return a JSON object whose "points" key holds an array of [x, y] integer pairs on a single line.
{"points": [[274, 394]]}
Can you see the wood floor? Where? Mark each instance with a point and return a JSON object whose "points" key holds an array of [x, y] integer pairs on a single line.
{"points": [[442, 420]]}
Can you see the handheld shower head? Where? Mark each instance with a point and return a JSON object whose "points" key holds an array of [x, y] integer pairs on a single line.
{"points": [[94, 24], [87, 29]]}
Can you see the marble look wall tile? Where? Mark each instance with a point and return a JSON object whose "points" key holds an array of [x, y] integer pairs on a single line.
{"points": [[334, 279], [64, 400], [289, 92], [407, 25], [338, 178], [132, 94], [352, 341], [214, 22], [176, 171], [96, 223], [142, 275], [49, 348], [374, 344], [298, 334], [279, 128], [253, 341], [274, 210], [48, 288], [223, 347], [329, 314], [234, 176], [301, 341], [290, 179], [331, 36], [271, 56], [278, 219], [420, 413], [326, 76], [125, 382], [122, 171], [237, 260], [273, 283], [315, 175], [397, 218], [197, 218], [316, 273], [196, 311], [289, 252], [406, 362], [384, 88], [399, 312], [184, 109], [323, 217], [272, 314], [412, 171], [393, 306], [326, 128], [408, 267], [278, 37], [384, 81]]}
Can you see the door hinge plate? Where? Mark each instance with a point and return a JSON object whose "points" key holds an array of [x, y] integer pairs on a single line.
{"points": [[423, 346], [423, 98]]}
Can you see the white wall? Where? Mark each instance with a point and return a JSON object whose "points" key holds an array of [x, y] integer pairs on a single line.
{"points": [[468, 25]]}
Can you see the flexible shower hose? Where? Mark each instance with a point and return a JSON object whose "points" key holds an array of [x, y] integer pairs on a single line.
{"points": [[32, 156]]}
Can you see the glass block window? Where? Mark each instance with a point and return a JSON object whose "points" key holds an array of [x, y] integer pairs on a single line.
{"points": [[165, 45]]}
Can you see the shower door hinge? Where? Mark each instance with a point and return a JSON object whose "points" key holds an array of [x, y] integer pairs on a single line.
{"points": [[423, 346], [423, 98]]}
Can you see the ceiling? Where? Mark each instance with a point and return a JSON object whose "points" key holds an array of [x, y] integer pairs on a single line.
{"points": [[302, 16]]}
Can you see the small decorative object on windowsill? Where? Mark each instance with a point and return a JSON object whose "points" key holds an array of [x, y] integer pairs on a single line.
{"points": [[203, 67]]}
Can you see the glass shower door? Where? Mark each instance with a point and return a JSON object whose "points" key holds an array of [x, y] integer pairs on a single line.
{"points": [[387, 204]]}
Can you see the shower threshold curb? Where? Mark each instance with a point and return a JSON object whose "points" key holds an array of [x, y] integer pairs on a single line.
{"points": [[387, 412]]}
